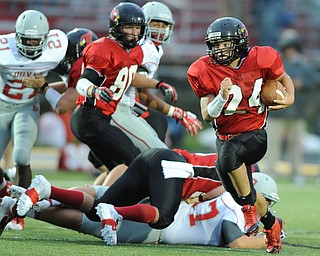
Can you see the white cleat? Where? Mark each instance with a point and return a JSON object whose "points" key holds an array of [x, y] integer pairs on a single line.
{"points": [[17, 223], [16, 191], [39, 189], [11, 173], [42, 205], [109, 217], [6, 214]]}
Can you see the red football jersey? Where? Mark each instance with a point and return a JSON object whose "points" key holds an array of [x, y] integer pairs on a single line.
{"points": [[115, 66], [243, 111], [75, 73], [198, 159]]}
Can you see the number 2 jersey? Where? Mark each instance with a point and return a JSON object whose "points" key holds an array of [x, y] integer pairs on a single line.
{"points": [[243, 111], [14, 66]]}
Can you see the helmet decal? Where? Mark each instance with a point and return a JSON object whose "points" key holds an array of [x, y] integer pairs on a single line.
{"points": [[126, 14], [115, 15], [85, 39]]}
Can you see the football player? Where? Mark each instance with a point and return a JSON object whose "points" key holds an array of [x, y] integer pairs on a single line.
{"points": [[146, 128], [31, 51], [228, 82], [160, 29]]}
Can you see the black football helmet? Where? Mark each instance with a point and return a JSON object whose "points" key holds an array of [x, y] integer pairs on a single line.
{"points": [[126, 14], [223, 30], [78, 39]]}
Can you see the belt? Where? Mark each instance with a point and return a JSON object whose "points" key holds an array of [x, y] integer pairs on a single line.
{"points": [[225, 137]]}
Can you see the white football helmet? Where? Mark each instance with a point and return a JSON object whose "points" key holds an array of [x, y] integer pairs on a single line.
{"points": [[266, 186], [31, 24], [155, 11]]}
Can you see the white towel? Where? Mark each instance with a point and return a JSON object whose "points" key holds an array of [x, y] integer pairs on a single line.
{"points": [[172, 169]]}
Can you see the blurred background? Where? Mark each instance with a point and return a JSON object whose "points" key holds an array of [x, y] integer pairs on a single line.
{"points": [[282, 24]]}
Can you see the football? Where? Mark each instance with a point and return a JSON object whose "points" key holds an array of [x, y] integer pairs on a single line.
{"points": [[270, 91]]}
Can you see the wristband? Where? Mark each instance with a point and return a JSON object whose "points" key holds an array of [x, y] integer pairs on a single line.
{"points": [[44, 86], [200, 197], [171, 111], [82, 86], [52, 96], [215, 107]]}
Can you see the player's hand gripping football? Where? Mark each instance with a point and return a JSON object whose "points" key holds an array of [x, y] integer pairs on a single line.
{"points": [[188, 120], [168, 91], [102, 93]]}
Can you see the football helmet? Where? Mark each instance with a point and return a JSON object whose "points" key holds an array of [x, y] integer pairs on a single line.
{"points": [[126, 14], [227, 29], [155, 11], [78, 39], [266, 186], [31, 24]]}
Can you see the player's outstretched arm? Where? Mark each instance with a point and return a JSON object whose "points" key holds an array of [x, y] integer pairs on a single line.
{"points": [[186, 118], [141, 81]]}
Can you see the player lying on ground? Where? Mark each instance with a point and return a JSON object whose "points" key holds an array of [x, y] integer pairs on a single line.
{"points": [[219, 220], [7, 205]]}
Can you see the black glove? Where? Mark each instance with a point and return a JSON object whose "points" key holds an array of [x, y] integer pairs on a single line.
{"points": [[168, 91], [102, 93]]}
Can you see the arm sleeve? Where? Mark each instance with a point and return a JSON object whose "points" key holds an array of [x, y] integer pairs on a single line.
{"points": [[230, 231]]}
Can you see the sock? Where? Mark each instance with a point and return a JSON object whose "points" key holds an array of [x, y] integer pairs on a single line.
{"points": [[268, 220], [72, 198], [54, 202], [31, 214], [140, 212]]}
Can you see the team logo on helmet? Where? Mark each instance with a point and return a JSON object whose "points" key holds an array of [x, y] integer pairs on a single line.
{"points": [[115, 15], [85, 39]]}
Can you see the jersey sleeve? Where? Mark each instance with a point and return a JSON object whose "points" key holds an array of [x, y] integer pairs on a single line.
{"points": [[75, 73], [270, 59], [199, 78], [194, 81], [97, 57]]}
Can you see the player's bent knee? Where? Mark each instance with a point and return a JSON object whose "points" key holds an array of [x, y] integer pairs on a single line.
{"points": [[164, 220]]}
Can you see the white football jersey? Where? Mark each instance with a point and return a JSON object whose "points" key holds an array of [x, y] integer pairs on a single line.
{"points": [[201, 223], [151, 59], [14, 66]]}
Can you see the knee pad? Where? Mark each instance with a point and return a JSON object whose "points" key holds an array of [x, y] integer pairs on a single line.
{"points": [[249, 199], [230, 160], [92, 215], [165, 219]]}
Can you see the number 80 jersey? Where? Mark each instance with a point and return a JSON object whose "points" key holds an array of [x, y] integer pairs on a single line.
{"points": [[14, 66]]}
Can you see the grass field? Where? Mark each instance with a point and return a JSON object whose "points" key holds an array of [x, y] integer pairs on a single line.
{"points": [[299, 207]]}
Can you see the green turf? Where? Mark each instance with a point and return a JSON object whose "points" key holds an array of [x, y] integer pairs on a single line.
{"points": [[299, 207]]}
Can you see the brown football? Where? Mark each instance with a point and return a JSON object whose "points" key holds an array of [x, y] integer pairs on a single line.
{"points": [[270, 92]]}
